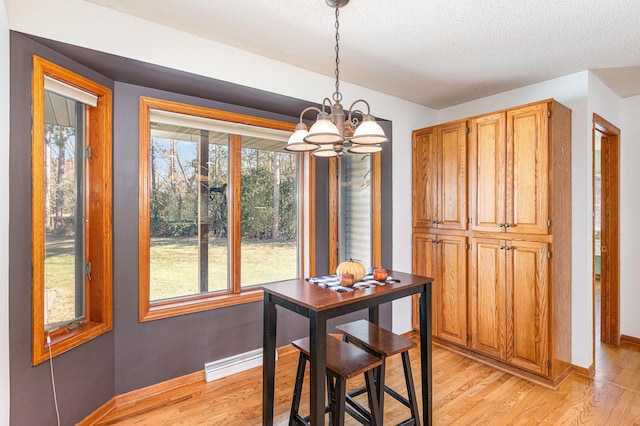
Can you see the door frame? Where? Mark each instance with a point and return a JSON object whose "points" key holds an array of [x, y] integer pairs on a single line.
{"points": [[610, 231]]}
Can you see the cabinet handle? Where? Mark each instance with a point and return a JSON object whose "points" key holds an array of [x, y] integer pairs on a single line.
{"points": [[507, 248], [501, 247], [506, 225], [500, 225], [434, 222]]}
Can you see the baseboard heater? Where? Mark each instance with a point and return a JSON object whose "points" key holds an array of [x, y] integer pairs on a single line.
{"points": [[234, 364]]}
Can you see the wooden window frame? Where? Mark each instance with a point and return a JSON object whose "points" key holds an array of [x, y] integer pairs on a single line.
{"points": [[99, 315], [149, 311]]}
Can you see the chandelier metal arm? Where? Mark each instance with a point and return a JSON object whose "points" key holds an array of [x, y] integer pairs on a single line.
{"points": [[353, 121], [311, 108]]}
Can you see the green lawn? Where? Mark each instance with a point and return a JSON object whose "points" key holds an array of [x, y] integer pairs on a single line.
{"points": [[174, 268]]}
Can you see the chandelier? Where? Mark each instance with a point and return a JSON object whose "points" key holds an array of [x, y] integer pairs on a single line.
{"points": [[333, 131]]}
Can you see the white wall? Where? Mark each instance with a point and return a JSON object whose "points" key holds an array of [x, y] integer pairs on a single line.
{"points": [[629, 214], [571, 91], [4, 216]]}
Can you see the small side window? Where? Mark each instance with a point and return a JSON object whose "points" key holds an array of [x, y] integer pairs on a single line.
{"points": [[71, 204]]}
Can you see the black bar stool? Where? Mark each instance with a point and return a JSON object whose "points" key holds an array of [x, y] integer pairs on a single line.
{"points": [[344, 361], [383, 343]]}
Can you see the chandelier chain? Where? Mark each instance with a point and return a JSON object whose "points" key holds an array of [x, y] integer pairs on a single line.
{"points": [[337, 96]]}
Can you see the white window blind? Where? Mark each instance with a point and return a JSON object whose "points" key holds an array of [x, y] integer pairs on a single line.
{"points": [[68, 91], [194, 122]]}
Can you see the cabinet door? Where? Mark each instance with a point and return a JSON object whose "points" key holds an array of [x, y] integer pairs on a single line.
{"points": [[452, 203], [425, 178], [488, 300], [450, 295], [527, 169], [488, 172], [424, 263], [528, 306]]}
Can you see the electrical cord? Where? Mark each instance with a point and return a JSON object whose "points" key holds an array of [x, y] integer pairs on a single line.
{"points": [[53, 382]]}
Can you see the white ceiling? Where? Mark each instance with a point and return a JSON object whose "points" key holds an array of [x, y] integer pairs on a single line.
{"points": [[436, 53]]}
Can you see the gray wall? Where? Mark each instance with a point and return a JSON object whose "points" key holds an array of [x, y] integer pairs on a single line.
{"points": [[136, 354], [85, 375]]}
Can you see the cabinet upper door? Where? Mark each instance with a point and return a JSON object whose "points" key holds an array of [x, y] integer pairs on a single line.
{"points": [[487, 172], [527, 170], [488, 297], [425, 178], [452, 204], [528, 305]]}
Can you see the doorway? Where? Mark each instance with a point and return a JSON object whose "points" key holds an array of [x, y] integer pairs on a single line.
{"points": [[606, 247]]}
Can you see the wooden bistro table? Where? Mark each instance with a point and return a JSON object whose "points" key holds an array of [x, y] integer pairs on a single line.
{"points": [[320, 304]]}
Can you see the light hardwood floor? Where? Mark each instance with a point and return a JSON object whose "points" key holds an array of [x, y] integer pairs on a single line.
{"points": [[465, 393]]}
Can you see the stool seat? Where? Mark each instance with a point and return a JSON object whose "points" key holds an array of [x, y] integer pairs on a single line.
{"points": [[383, 343], [376, 338], [344, 361]]}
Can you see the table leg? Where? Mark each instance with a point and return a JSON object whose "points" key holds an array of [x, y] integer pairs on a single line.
{"points": [[317, 366], [268, 360], [425, 354], [374, 314]]}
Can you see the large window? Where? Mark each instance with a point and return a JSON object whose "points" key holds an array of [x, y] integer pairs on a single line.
{"points": [[71, 199], [220, 208]]}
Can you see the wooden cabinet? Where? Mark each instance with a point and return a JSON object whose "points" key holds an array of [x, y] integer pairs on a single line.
{"points": [[444, 258], [440, 177], [505, 298], [509, 302], [509, 171]]}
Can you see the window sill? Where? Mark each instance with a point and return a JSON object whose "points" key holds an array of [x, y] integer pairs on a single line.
{"points": [[62, 341], [173, 308]]}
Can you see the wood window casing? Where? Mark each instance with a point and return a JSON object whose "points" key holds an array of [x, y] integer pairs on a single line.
{"points": [[151, 310], [98, 287]]}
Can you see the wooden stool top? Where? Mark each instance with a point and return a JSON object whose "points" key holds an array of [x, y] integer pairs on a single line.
{"points": [[376, 338], [343, 359]]}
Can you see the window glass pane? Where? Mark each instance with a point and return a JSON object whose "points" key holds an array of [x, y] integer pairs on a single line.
{"points": [[188, 217], [269, 250], [64, 289], [355, 208]]}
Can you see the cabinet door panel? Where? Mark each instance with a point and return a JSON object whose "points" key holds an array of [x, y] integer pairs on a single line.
{"points": [[527, 165], [488, 297], [527, 305], [451, 294], [487, 172], [425, 178], [424, 264], [453, 176]]}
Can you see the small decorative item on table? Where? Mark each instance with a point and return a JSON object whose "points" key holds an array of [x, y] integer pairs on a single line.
{"points": [[347, 280], [380, 274]]}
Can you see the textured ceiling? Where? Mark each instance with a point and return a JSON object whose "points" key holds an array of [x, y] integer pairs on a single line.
{"points": [[435, 53]]}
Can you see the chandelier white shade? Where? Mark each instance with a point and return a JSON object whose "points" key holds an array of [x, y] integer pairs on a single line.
{"points": [[332, 132]]}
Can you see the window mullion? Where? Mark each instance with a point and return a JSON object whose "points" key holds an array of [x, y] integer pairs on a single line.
{"points": [[235, 213], [203, 207]]}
